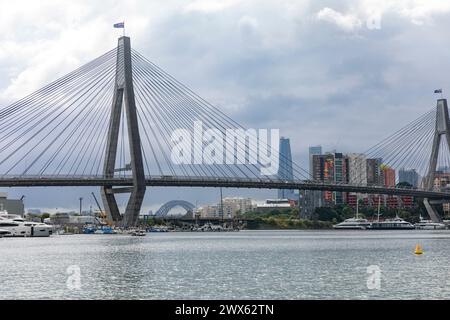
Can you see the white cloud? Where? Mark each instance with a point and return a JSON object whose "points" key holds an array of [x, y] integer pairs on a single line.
{"points": [[347, 22], [422, 12]]}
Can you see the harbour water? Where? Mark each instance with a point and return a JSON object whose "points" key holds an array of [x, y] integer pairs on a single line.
{"points": [[232, 265]]}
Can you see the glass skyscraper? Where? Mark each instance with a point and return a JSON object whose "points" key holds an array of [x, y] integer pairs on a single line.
{"points": [[409, 176], [285, 171]]}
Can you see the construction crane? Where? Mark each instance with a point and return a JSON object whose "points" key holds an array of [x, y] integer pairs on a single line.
{"points": [[101, 214]]}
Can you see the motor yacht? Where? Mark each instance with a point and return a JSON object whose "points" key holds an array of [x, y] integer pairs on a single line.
{"points": [[429, 225], [138, 233], [18, 227], [3, 232], [355, 223]]}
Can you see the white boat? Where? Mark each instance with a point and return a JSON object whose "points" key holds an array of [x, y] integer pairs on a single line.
{"points": [[355, 223], [429, 225], [138, 233], [18, 227]]}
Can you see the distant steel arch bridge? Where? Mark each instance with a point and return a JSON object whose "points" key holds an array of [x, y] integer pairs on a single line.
{"points": [[165, 208]]}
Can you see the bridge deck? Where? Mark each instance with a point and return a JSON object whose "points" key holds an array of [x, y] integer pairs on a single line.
{"points": [[168, 181]]}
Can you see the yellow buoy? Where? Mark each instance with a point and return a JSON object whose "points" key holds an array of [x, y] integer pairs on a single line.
{"points": [[418, 250]]}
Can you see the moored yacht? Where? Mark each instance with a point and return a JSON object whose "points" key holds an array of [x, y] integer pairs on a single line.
{"points": [[3, 232], [355, 223], [429, 225], [138, 233], [396, 223], [18, 227]]}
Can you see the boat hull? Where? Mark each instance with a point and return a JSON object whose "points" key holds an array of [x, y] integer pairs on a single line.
{"points": [[350, 228]]}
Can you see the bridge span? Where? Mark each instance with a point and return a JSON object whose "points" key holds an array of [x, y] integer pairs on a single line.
{"points": [[206, 182]]}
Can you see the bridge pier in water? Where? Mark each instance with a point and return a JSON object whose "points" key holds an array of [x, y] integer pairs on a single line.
{"points": [[124, 95]]}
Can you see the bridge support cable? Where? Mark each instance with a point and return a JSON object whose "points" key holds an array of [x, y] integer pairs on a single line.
{"points": [[175, 119], [423, 146], [198, 101], [42, 127], [66, 115], [195, 108], [32, 110], [407, 148], [24, 105]]}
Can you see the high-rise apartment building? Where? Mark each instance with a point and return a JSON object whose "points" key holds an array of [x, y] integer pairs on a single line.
{"points": [[389, 176], [313, 150], [357, 168], [374, 172], [331, 168]]}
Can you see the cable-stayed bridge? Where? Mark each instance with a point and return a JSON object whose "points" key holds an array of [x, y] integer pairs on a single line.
{"points": [[111, 123]]}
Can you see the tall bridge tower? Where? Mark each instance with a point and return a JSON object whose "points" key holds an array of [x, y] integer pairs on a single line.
{"points": [[442, 129], [124, 97]]}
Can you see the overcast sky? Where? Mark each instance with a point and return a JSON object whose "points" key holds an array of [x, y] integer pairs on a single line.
{"points": [[342, 74]]}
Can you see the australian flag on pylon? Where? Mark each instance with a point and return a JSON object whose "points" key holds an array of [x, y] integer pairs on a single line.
{"points": [[119, 25], [438, 91]]}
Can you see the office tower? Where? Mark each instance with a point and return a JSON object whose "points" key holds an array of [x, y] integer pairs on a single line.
{"points": [[285, 171], [409, 176]]}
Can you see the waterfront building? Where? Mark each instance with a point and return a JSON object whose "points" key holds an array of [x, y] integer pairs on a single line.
{"points": [[285, 171], [387, 201], [209, 212], [238, 204], [69, 218], [231, 207], [331, 168], [13, 206]]}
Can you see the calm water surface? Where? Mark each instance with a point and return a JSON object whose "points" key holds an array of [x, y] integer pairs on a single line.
{"points": [[235, 265]]}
